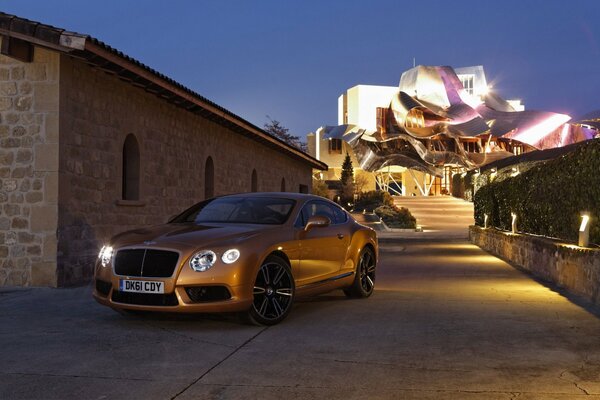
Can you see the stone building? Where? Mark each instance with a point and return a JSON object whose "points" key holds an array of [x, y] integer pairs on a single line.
{"points": [[94, 142]]}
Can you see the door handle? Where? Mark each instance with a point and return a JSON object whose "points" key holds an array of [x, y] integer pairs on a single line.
{"points": [[340, 236]]}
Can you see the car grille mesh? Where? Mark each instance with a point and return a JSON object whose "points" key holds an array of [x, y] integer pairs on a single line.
{"points": [[200, 294], [145, 299], [148, 263]]}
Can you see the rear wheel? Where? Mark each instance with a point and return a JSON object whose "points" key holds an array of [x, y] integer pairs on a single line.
{"points": [[364, 279], [273, 292]]}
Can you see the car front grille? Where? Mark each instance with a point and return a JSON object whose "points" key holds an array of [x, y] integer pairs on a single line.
{"points": [[145, 299], [148, 263], [103, 287], [199, 294]]}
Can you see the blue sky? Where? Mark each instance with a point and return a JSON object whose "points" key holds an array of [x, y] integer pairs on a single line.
{"points": [[292, 59]]}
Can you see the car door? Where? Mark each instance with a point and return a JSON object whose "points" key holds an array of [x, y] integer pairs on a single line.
{"points": [[322, 249]]}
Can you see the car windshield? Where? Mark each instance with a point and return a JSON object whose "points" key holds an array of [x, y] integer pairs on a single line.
{"points": [[242, 210]]}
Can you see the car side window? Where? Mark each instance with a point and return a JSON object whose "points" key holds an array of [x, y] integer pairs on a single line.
{"points": [[340, 215], [336, 215]]}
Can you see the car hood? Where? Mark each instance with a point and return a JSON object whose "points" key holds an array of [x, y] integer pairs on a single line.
{"points": [[188, 235]]}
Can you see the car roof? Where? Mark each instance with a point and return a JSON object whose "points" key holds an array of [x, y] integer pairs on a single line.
{"points": [[302, 197], [286, 195]]}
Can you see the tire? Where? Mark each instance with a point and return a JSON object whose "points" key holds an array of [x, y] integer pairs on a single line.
{"points": [[274, 291], [364, 278]]}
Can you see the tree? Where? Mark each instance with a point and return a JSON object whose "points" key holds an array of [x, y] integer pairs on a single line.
{"points": [[275, 128], [347, 171], [347, 181], [320, 188]]}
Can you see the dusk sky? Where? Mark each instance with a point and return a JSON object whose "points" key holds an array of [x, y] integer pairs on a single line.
{"points": [[292, 59]]}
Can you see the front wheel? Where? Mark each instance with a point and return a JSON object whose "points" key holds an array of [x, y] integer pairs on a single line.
{"points": [[274, 290], [364, 279]]}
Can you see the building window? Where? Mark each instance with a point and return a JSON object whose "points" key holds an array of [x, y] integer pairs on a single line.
{"points": [[209, 178], [335, 146], [131, 169], [517, 149], [303, 188], [283, 184], [467, 82], [254, 185], [414, 119]]}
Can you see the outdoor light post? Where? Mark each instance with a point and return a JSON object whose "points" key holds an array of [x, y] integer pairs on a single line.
{"points": [[514, 222], [584, 230], [485, 221]]}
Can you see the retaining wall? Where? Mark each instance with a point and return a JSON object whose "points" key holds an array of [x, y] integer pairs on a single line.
{"points": [[573, 268]]}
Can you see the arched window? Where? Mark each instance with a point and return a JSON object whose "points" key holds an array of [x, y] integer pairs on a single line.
{"points": [[209, 178], [131, 169], [254, 187], [283, 184]]}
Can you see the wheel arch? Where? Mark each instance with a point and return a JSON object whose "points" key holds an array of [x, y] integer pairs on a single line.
{"points": [[280, 254]]}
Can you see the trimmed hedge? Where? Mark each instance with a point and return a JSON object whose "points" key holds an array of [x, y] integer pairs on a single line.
{"points": [[395, 217], [548, 197]]}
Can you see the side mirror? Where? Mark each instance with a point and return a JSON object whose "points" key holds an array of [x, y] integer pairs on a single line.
{"points": [[318, 221]]}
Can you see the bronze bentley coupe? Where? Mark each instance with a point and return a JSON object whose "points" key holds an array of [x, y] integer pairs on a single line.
{"points": [[251, 253]]}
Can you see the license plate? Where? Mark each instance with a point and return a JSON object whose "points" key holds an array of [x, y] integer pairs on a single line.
{"points": [[127, 285]]}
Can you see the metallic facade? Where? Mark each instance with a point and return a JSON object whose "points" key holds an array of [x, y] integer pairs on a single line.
{"points": [[433, 121]]}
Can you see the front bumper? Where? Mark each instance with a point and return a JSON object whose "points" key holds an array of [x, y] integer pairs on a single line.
{"points": [[240, 300], [237, 279]]}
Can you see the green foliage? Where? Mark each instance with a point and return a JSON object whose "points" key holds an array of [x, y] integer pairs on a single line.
{"points": [[394, 217], [347, 181], [548, 197], [320, 188], [369, 201]]}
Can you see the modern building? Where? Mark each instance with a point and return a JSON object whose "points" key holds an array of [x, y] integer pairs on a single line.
{"points": [[93, 143], [411, 139]]}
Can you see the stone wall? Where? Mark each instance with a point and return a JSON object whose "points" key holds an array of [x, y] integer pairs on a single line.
{"points": [[574, 268], [28, 169], [97, 112]]}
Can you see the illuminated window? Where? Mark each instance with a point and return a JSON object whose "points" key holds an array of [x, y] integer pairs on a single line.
{"points": [[414, 119], [335, 146], [467, 82], [517, 149]]}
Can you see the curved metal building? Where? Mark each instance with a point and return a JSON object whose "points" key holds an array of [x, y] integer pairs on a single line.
{"points": [[440, 118]]}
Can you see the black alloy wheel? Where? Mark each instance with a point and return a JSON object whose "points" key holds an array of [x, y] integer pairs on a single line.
{"points": [[364, 280], [273, 291]]}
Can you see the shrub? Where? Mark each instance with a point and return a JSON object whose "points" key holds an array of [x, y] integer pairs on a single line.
{"points": [[369, 201], [395, 217], [547, 197]]}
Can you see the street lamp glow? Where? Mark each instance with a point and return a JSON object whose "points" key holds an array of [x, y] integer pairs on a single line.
{"points": [[584, 230], [514, 222]]}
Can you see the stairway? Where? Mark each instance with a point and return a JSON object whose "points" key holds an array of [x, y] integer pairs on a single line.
{"points": [[443, 216]]}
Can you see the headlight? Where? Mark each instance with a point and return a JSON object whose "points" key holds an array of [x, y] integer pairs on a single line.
{"points": [[230, 256], [203, 260], [105, 255]]}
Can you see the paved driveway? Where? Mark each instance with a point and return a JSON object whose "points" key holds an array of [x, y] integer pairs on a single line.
{"points": [[447, 321]]}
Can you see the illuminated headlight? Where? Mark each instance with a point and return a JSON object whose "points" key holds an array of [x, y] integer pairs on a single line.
{"points": [[230, 256], [203, 260], [105, 255]]}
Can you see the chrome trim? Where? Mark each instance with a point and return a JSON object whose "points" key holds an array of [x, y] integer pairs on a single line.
{"points": [[333, 278]]}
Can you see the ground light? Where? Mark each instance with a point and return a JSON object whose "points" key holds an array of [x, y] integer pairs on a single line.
{"points": [[584, 230], [514, 222]]}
